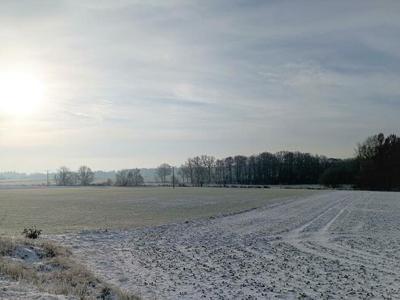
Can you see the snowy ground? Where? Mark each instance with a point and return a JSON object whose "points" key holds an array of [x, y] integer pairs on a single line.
{"points": [[12, 290], [341, 245]]}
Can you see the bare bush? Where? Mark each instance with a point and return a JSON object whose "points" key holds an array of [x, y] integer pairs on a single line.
{"points": [[32, 232]]}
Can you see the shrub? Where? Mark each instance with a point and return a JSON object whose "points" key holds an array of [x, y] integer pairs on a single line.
{"points": [[32, 232]]}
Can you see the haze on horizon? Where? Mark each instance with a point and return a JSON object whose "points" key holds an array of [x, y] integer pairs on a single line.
{"points": [[116, 84]]}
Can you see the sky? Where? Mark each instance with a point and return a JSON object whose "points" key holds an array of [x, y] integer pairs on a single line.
{"points": [[137, 83]]}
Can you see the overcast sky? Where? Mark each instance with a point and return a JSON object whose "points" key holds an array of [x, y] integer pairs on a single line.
{"points": [[137, 83]]}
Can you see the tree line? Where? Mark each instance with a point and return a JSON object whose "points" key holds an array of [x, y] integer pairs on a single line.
{"points": [[84, 176], [64, 176], [376, 165], [266, 168]]}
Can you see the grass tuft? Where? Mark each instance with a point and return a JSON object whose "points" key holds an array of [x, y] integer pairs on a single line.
{"points": [[54, 270]]}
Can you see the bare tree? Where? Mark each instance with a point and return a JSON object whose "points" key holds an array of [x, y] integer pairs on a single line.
{"points": [[190, 170], [199, 171], [135, 178], [64, 177], [121, 178], [220, 177], [85, 175], [163, 171], [208, 162], [184, 173], [240, 164], [129, 177]]}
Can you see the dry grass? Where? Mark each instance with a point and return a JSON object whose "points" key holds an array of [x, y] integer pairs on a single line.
{"points": [[7, 246], [53, 270], [16, 271]]}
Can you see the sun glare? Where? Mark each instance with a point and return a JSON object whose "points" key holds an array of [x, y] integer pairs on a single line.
{"points": [[20, 93]]}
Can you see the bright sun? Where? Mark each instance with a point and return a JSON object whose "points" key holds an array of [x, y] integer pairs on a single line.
{"points": [[20, 93]]}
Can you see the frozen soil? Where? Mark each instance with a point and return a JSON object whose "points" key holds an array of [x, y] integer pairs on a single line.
{"points": [[334, 245]]}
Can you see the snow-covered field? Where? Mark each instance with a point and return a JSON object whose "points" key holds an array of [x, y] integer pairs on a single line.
{"points": [[342, 245]]}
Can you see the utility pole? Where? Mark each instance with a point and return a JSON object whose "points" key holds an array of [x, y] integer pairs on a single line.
{"points": [[47, 177], [173, 177]]}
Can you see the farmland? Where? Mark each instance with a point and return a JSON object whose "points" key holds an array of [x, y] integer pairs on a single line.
{"points": [[333, 245], [162, 243], [60, 210]]}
